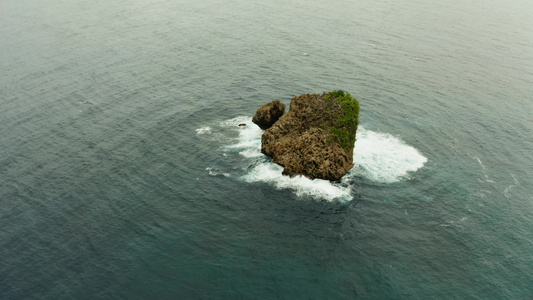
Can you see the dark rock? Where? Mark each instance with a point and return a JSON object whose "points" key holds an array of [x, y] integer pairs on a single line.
{"points": [[242, 124], [316, 137], [268, 114]]}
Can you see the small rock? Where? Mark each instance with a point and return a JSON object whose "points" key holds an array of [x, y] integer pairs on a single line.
{"points": [[268, 114], [242, 124]]}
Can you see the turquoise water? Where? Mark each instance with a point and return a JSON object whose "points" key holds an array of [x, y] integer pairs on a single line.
{"points": [[123, 173]]}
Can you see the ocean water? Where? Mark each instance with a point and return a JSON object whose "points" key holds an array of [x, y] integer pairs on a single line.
{"points": [[123, 173]]}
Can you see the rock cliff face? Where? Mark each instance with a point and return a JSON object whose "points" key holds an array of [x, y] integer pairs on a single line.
{"points": [[316, 137]]}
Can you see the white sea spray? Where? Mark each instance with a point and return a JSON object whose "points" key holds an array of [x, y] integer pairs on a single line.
{"points": [[378, 157]]}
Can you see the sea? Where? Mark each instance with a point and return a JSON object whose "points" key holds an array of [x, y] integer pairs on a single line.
{"points": [[124, 173]]}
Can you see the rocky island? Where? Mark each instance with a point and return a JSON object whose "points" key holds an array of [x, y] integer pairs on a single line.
{"points": [[315, 138]]}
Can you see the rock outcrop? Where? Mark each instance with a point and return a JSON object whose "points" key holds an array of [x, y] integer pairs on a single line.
{"points": [[316, 137], [268, 114]]}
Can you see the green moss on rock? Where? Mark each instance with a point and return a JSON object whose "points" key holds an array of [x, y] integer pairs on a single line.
{"points": [[346, 126]]}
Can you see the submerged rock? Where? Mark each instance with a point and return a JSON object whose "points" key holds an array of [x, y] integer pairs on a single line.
{"points": [[268, 114], [316, 137]]}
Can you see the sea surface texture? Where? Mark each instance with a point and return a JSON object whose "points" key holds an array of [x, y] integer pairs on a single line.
{"points": [[124, 175]]}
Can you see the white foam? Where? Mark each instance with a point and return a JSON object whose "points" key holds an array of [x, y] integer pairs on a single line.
{"points": [[384, 158], [251, 152], [249, 138], [203, 130], [302, 186], [378, 157], [236, 121], [214, 172]]}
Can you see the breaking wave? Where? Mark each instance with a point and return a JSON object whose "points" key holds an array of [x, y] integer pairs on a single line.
{"points": [[381, 157], [378, 157]]}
